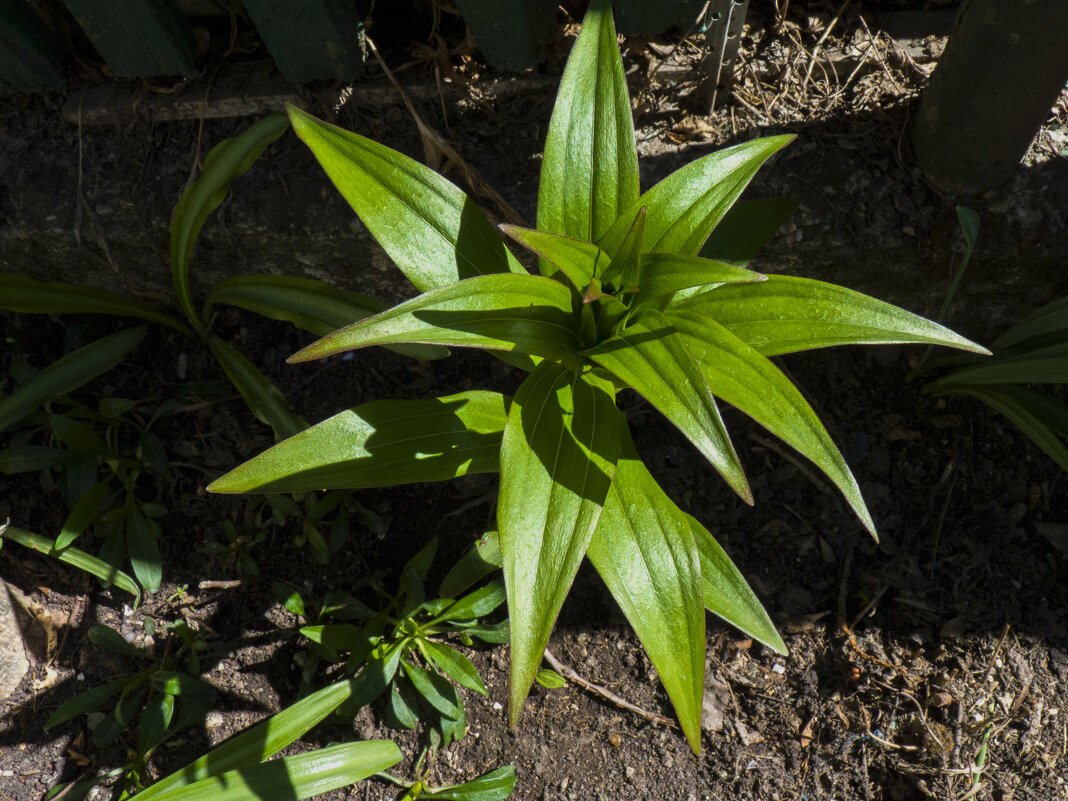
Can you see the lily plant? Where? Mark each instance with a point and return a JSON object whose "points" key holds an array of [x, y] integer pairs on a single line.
{"points": [[632, 291]]}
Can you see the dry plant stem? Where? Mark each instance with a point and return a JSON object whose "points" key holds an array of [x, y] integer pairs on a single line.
{"points": [[608, 695], [820, 41], [879, 57], [434, 141]]}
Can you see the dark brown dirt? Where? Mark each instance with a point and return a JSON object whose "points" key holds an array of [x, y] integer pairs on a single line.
{"points": [[904, 655]]}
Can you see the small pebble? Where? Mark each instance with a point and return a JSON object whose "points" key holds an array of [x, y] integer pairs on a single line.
{"points": [[777, 668], [497, 706]]}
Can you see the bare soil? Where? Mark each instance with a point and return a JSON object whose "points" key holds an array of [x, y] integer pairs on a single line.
{"points": [[906, 656]]}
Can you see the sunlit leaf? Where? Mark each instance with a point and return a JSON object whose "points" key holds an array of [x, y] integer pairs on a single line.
{"points": [[786, 314], [682, 209], [651, 358], [522, 313], [433, 231], [557, 458], [739, 375], [589, 169], [644, 551], [382, 443]]}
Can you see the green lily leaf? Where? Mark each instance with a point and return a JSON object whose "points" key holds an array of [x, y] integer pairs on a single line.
{"points": [[473, 566], [494, 786], [141, 541], [651, 358], [309, 304], [85, 511], [625, 270], [155, 721], [382, 443], [77, 436], [64, 375], [263, 398], [29, 296], [31, 458], [739, 375], [644, 551], [1043, 365], [682, 210], [728, 596], [746, 228], [454, 664], [434, 688], [433, 231], [291, 778], [1043, 419], [85, 703], [110, 640], [228, 160], [589, 169], [786, 314], [1049, 320], [267, 738], [579, 260], [558, 454], [476, 604], [667, 273], [107, 573], [522, 313]]}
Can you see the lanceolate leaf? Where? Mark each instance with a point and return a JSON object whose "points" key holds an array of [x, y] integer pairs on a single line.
{"points": [[266, 739], [739, 375], [745, 229], [292, 778], [786, 314], [1049, 320], [309, 304], [1046, 365], [589, 170], [667, 273], [651, 358], [557, 458], [727, 595], [72, 556], [144, 550], [494, 786], [579, 260], [682, 210], [433, 231], [454, 664], [382, 443], [29, 296], [646, 555], [523, 313], [263, 398], [228, 160], [67, 374]]}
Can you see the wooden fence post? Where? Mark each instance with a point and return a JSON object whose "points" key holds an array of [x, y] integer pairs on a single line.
{"points": [[28, 63], [138, 38], [1001, 72], [311, 39], [512, 34]]}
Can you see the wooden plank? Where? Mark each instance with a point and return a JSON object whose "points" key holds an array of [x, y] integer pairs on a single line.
{"points": [[28, 62], [311, 39], [138, 38], [635, 17], [512, 34], [1001, 72]]}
